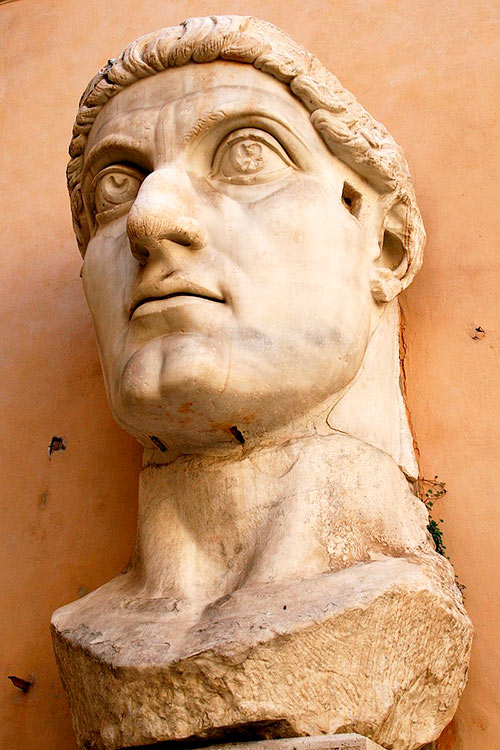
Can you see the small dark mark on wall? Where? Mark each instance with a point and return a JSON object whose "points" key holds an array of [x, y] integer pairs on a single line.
{"points": [[158, 443], [18, 682], [237, 434], [57, 444], [82, 591], [478, 333], [42, 502]]}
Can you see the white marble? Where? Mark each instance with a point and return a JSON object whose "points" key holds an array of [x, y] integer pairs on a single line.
{"points": [[246, 230]]}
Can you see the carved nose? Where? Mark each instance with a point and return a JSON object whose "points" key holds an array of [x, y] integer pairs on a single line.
{"points": [[162, 217], [153, 236]]}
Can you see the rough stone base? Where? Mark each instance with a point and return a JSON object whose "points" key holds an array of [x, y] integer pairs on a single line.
{"points": [[380, 649], [321, 742]]}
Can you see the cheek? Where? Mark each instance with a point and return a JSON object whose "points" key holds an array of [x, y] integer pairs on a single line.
{"points": [[304, 254], [304, 269], [108, 277]]}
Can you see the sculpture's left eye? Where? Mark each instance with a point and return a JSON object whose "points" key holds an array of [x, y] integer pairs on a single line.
{"points": [[115, 188], [250, 156]]}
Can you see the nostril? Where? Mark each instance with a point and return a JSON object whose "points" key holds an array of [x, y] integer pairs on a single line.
{"points": [[180, 239], [140, 253], [186, 235], [154, 235]]}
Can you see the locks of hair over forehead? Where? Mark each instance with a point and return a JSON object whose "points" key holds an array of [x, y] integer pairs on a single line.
{"points": [[347, 129]]}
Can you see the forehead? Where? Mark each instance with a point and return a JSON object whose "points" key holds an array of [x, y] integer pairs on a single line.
{"points": [[190, 93]]}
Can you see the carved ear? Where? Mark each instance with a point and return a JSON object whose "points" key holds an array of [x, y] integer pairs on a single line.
{"points": [[400, 252]]}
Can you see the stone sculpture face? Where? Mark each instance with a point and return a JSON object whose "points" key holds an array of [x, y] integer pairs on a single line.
{"points": [[245, 230], [228, 280]]}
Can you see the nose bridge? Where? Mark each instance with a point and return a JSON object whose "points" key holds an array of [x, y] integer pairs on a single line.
{"points": [[164, 212]]}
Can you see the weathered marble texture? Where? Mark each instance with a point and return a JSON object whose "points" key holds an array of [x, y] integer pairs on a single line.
{"points": [[246, 230], [328, 742]]}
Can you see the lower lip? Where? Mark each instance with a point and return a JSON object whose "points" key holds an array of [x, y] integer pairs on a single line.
{"points": [[170, 303]]}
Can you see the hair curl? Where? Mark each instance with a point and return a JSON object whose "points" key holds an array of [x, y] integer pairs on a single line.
{"points": [[348, 130]]}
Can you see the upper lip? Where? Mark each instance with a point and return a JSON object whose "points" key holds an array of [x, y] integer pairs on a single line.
{"points": [[174, 287]]}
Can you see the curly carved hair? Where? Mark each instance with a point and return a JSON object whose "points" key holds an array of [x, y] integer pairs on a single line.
{"points": [[348, 130]]}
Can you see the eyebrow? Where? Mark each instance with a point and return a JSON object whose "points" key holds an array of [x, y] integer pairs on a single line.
{"points": [[123, 143], [233, 112], [130, 151], [204, 123], [111, 143]]}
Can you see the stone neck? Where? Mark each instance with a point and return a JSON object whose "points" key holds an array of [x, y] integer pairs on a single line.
{"points": [[210, 525]]}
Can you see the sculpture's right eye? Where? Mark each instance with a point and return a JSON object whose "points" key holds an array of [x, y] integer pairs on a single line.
{"points": [[113, 190]]}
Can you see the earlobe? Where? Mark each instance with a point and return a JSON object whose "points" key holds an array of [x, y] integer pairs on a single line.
{"points": [[389, 268], [384, 284]]}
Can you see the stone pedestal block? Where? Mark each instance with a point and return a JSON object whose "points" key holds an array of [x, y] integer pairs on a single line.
{"points": [[379, 648], [323, 742]]}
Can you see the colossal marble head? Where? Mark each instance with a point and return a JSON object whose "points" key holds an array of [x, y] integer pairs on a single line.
{"points": [[243, 228], [246, 229]]}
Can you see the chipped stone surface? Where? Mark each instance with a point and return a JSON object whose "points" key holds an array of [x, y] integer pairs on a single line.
{"points": [[323, 742], [246, 230], [374, 648]]}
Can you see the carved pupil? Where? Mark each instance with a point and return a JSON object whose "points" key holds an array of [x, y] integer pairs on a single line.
{"points": [[246, 157], [115, 188]]}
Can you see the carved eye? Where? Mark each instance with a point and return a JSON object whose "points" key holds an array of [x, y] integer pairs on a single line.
{"points": [[250, 156], [115, 186]]}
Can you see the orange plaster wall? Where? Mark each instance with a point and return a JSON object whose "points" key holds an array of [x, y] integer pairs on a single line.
{"points": [[425, 70]]}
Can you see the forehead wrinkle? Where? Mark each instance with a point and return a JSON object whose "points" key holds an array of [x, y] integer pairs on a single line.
{"points": [[116, 119], [231, 103], [167, 120], [223, 95]]}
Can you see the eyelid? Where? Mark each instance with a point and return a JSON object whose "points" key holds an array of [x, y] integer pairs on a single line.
{"points": [[122, 168], [122, 208], [101, 217], [114, 149], [112, 168], [257, 135], [289, 137]]}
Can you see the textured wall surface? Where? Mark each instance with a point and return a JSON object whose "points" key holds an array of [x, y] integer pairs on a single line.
{"points": [[67, 524]]}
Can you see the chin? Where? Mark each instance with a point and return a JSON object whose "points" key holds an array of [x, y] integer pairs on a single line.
{"points": [[186, 420], [161, 374], [193, 415], [190, 394], [175, 391]]}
